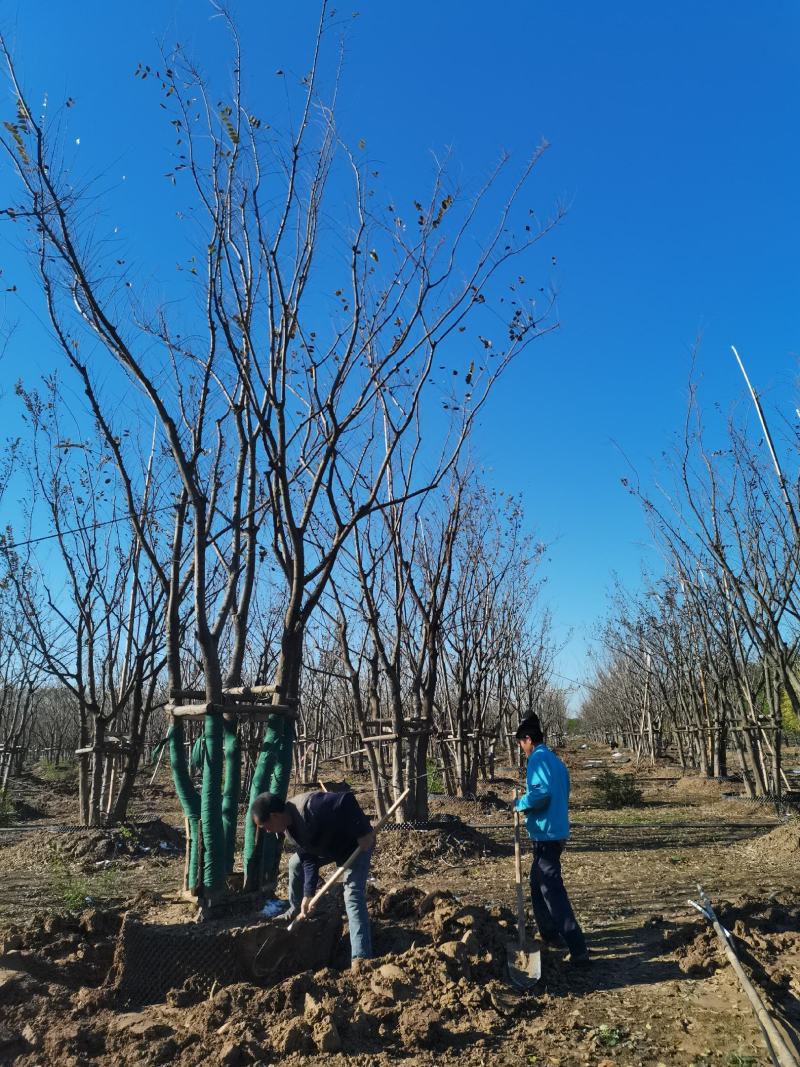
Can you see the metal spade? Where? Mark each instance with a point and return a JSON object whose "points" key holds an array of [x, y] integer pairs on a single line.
{"points": [[524, 955]]}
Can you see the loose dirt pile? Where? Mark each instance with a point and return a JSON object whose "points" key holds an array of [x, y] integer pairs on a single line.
{"points": [[766, 938], [444, 993], [485, 805], [411, 852], [70, 948], [696, 786], [445, 989], [90, 849], [24, 812], [781, 843]]}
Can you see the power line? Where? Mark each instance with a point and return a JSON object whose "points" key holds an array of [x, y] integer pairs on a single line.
{"points": [[81, 529], [126, 518], [574, 681]]}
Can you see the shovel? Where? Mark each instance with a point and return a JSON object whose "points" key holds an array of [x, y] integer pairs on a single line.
{"points": [[280, 941], [524, 955]]}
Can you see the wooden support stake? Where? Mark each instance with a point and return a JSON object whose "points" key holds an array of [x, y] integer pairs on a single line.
{"points": [[186, 886], [112, 767], [234, 691], [252, 712]]}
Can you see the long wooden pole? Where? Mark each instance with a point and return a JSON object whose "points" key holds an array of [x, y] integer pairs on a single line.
{"points": [[518, 880], [779, 1049], [787, 500]]}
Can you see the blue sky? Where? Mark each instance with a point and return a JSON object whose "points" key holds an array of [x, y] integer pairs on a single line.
{"points": [[674, 139]]}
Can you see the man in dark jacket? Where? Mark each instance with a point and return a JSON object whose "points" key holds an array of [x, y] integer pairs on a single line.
{"points": [[323, 828]]}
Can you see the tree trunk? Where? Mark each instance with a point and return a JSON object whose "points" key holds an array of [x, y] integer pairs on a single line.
{"points": [[747, 777], [97, 765], [274, 763], [721, 748], [190, 802], [417, 778], [232, 789]]}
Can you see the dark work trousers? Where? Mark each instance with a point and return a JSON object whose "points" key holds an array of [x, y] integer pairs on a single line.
{"points": [[551, 907]]}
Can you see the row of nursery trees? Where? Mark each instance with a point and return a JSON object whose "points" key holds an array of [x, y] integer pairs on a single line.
{"points": [[704, 662], [250, 533], [462, 645]]}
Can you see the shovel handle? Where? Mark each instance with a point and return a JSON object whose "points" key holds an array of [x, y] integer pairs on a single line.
{"points": [[348, 863], [518, 876]]}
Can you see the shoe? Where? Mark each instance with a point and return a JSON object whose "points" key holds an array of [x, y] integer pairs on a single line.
{"points": [[287, 916], [274, 908]]}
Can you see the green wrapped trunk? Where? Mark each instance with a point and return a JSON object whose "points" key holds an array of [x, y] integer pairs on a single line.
{"points": [[232, 791], [272, 772], [279, 785], [188, 797], [211, 805]]}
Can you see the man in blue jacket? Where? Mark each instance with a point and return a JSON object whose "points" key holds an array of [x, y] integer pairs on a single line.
{"points": [[545, 804], [324, 828]]}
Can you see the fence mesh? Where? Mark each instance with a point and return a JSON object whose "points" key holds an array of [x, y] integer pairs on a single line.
{"points": [[152, 959]]}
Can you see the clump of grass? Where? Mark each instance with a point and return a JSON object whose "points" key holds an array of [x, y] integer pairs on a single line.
{"points": [[435, 783], [616, 790], [55, 772], [77, 891], [610, 1036]]}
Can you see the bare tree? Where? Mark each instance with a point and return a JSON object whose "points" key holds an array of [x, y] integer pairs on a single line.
{"points": [[314, 404], [92, 616]]}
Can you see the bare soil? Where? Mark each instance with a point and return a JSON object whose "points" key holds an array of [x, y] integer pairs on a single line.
{"points": [[659, 990]]}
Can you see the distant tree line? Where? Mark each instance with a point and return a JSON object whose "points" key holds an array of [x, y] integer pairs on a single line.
{"points": [[704, 661]]}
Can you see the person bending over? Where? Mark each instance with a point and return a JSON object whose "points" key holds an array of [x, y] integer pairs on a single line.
{"points": [[323, 828]]}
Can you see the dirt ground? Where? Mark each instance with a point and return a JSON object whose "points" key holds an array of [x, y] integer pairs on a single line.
{"points": [[659, 990]]}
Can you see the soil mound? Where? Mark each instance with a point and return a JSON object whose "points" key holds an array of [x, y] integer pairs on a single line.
{"points": [[695, 786], [780, 843], [490, 803], [25, 812], [451, 841], [73, 949], [444, 991], [89, 849], [766, 936]]}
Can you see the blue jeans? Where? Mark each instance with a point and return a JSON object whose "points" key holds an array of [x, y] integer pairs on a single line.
{"points": [[355, 901], [551, 907]]}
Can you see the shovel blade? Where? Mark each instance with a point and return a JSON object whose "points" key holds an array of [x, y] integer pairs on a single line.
{"points": [[524, 964]]}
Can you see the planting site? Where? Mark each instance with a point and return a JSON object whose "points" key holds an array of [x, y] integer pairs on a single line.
{"points": [[103, 964]]}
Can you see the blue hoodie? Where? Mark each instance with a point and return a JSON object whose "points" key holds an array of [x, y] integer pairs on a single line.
{"points": [[546, 799]]}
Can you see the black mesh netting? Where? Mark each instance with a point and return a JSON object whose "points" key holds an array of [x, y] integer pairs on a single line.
{"points": [[152, 959]]}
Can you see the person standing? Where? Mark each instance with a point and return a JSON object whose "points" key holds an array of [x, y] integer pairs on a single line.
{"points": [[545, 804], [323, 828]]}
